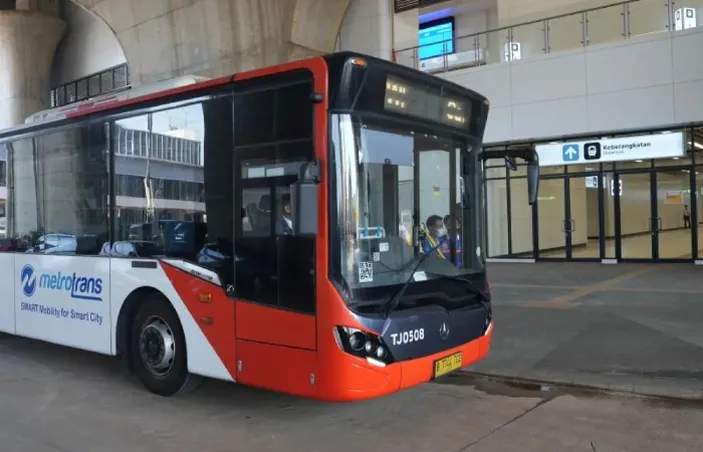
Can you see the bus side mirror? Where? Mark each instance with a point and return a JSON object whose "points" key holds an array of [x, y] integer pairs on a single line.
{"points": [[529, 155], [533, 178], [303, 198]]}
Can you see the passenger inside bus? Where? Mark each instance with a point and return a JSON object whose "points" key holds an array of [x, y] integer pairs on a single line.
{"points": [[284, 224], [457, 222]]}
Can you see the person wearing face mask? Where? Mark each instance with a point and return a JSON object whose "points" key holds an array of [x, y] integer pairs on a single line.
{"points": [[436, 239]]}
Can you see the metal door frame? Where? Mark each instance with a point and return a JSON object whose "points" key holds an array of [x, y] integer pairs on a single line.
{"points": [[568, 223], [655, 221]]}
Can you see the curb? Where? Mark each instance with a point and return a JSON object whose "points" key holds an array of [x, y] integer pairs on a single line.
{"points": [[545, 386]]}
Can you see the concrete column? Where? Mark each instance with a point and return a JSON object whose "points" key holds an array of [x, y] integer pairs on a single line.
{"points": [[28, 40], [368, 28], [406, 26]]}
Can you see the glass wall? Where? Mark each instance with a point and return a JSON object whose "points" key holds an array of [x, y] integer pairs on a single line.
{"points": [[601, 210], [508, 214]]}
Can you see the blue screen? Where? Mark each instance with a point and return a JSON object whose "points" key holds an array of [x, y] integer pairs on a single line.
{"points": [[433, 40]]}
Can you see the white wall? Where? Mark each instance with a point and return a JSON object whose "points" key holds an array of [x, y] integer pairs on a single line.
{"points": [[647, 81], [89, 46], [367, 28], [476, 22], [521, 11]]}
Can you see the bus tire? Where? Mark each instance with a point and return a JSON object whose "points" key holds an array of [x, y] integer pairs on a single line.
{"points": [[158, 349]]}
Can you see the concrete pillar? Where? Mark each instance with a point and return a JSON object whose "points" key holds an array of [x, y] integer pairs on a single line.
{"points": [[368, 28], [406, 26], [28, 40]]}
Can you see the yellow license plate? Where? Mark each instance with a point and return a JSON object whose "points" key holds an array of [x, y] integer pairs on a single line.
{"points": [[448, 364]]}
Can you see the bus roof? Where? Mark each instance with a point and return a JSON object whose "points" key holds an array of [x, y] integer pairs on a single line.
{"points": [[68, 111], [169, 87], [135, 95]]}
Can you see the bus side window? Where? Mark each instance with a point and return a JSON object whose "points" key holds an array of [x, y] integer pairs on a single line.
{"points": [[64, 201]]}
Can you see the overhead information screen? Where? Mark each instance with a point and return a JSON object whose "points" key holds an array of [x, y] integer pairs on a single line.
{"points": [[408, 99]]}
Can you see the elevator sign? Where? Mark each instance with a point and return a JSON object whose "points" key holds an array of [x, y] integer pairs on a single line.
{"points": [[641, 147]]}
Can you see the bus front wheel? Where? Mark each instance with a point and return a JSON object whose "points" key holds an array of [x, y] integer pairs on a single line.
{"points": [[158, 349]]}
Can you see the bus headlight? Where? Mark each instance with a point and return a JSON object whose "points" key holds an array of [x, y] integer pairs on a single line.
{"points": [[362, 344]]}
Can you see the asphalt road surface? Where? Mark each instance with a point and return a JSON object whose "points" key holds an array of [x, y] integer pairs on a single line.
{"points": [[59, 400]]}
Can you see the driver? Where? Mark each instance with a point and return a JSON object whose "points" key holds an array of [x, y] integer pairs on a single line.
{"points": [[436, 237]]}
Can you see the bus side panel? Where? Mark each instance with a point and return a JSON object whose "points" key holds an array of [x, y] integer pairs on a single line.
{"points": [[202, 357], [64, 300], [275, 326], [7, 297], [215, 314], [277, 351], [277, 368]]}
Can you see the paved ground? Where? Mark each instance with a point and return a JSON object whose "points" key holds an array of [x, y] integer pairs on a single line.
{"points": [[630, 327], [58, 400]]}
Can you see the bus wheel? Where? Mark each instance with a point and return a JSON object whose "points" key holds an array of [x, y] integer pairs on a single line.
{"points": [[158, 349]]}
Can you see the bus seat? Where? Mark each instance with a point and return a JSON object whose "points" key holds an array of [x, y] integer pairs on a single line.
{"points": [[263, 214], [87, 245], [251, 214]]}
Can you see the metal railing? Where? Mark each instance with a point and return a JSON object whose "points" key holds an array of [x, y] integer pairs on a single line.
{"points": [[110, 80], [618, 21]]}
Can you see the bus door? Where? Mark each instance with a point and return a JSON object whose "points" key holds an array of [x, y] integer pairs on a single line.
{"points": [[274, 284]]}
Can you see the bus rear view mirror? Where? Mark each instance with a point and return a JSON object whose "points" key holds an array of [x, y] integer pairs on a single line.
{"points": [[533, 179], [303, 198], [529, 155]]}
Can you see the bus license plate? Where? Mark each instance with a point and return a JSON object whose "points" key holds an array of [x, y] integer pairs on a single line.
{"points": [[448, 364]]}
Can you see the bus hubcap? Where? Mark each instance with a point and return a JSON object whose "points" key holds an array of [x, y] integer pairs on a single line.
{"points": [[157, 346]]}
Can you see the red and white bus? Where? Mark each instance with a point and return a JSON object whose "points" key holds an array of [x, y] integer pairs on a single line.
{"points": [[276, 228]]}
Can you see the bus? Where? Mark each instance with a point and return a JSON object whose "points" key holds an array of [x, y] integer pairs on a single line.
{"points": [[277, 229]]}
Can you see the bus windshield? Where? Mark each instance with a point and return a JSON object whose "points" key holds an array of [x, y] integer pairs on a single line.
{"points": [[399, 196]]}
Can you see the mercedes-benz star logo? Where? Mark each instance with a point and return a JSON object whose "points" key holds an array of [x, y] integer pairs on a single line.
{"points": [[444, 330]]}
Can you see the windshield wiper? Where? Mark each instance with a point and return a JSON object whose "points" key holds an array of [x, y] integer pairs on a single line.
{"points": [[482, 297], [395, 299]]}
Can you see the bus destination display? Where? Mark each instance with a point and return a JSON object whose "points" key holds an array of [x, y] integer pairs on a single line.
{"points": [[402, 97]]}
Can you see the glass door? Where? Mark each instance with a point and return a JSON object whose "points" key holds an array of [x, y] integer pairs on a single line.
{"points": [[674, 232], [638, 222], [583, 217], [552, 221]]}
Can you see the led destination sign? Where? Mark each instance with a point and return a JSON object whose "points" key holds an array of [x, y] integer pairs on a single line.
{"points": [[405, 98]]}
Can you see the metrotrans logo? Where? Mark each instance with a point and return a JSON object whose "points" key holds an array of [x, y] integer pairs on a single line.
{"points": [[73, 284]]}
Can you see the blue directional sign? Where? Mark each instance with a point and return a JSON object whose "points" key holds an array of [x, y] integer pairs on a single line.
{"points": [[570, 152]]}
